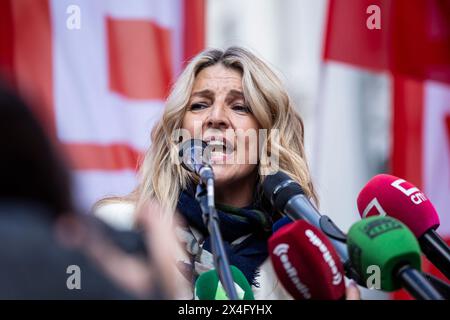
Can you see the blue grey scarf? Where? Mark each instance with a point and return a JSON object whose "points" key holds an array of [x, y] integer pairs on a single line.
{"points": [[234, 223]]}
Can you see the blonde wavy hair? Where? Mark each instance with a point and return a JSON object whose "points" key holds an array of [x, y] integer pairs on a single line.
{"points": [[161, 178]]}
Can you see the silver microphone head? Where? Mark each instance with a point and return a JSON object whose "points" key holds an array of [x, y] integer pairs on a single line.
{"points": [[193, 153]]}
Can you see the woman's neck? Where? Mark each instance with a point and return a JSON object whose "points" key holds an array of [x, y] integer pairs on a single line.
{"points": [[238, 194]]}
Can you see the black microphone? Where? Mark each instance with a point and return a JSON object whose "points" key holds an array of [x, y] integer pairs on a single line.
{"points": [[288, 197], [195, 157]]}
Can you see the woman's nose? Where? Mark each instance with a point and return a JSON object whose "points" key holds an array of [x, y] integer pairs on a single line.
{"points": [[217, 118]]}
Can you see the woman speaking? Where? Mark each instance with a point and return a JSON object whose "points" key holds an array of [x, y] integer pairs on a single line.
{"points": [[223, 97]]}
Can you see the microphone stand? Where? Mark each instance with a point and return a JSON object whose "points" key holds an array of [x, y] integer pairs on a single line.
{"points": [[205, 196]]}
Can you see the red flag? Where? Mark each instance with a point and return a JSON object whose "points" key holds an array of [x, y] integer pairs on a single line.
{"points": [[99, 86], [412, 44]]}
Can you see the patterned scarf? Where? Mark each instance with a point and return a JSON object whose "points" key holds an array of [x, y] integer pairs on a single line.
{"points": [[244, 230]]}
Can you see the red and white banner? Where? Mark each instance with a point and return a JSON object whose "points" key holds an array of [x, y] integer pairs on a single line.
{"points": [[411, 44], [97, 73]]}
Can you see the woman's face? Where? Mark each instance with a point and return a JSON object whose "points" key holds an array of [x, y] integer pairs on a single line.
{"points": [[218, 110]]}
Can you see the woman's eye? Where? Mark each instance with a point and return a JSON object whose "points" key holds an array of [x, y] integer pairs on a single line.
{"points": [[198, 106], [241, 108]]}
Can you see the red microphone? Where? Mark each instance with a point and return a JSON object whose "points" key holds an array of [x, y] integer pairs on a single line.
{"points": [[389, 195], [306, 262]]}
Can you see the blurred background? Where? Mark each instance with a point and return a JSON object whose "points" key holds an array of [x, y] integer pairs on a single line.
{"points": [[371, 79]]}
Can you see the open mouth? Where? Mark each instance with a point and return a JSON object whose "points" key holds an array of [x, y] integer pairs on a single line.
{"points": [[218, 148]]}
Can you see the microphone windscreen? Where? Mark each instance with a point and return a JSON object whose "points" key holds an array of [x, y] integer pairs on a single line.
{"points": [[208, 286], [389, 195], [306, 263], [382, 245], [192, 152]]}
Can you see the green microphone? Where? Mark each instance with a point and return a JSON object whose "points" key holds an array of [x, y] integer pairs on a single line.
{"points": [[208, 286], [386, 243]]}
